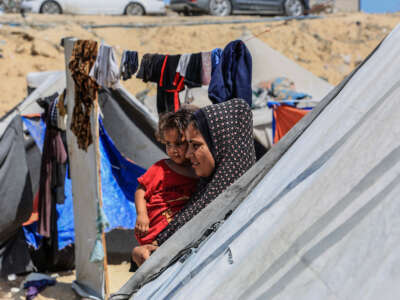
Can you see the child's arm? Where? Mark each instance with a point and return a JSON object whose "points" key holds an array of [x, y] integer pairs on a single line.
{"points": [[142, 220]]}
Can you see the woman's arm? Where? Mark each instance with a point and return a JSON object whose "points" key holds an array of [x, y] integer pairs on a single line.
{"points": [[142, 220]]}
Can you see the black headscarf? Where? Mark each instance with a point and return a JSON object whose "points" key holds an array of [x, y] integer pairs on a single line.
{"points": [[230, 125], [202, 124]]}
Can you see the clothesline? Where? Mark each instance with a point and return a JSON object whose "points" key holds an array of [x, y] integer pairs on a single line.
{"points": [[258, 34], [175, 73]]}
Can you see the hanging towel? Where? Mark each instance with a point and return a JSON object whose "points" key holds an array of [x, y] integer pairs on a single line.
{"points": [[105, 70], [183, 64]]}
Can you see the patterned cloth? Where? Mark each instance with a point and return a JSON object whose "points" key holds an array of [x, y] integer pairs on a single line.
{"points": [[82, 60], [231, 128]]}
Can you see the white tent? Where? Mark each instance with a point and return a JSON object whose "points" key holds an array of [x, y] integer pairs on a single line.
{"points": [[322, 223]]}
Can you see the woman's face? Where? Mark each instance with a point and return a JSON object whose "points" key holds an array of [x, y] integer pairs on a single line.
{"points": [[198, 152], [176, 147]]}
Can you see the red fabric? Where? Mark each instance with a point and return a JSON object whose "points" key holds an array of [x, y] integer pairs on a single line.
{"points": [[163, 70], [35, 214], [166, 194], [285, 118], [179, 88]]}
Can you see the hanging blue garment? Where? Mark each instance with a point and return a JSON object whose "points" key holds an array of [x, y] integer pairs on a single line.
{"points": [[215, 58], [232, 76]]}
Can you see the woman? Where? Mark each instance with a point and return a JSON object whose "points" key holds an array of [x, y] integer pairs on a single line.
{"points": [[221, 149]]}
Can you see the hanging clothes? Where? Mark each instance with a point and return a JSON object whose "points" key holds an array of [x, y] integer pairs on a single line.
{"points": [[232, 76], [161, 69], [215, 58], [105, 69], [171, 83], [129, 64], [82, 60], [205, 68], [150, 67], [52, 172], [183, 64], [193, 71]]}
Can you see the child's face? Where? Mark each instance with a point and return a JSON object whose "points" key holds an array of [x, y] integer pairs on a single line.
{"points": [[176, 147]]}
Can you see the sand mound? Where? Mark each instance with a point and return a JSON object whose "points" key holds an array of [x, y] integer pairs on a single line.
{"points": [[329, 47]]}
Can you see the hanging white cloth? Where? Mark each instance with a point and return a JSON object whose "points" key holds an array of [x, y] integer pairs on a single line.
{"points": [[183, 64], [105, 70]]}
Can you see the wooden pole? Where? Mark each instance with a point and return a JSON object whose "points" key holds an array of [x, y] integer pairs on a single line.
{"points": [[86, 189], [98, 158]]}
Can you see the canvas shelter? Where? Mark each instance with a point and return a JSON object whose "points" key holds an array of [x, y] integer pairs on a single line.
{"points": [[20, 159], [319, 216]]}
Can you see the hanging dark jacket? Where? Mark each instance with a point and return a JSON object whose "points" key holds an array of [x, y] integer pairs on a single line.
{"points": [[232, 76]]}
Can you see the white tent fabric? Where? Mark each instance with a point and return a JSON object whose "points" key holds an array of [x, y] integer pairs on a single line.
{"points": [[269, 64], [324, 222]]}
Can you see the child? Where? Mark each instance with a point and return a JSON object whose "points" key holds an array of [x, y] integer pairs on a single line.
{"points": [[167, 185]]}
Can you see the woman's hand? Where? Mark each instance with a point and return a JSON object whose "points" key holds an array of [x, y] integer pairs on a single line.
{"points": [[141, 253], [142, 225]]}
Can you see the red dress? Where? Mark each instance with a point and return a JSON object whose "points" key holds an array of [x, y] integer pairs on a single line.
{"points": [[166, 193]]}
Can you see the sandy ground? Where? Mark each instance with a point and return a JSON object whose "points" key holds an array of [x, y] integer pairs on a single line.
{"points": [[329, 47], [62, 290]]}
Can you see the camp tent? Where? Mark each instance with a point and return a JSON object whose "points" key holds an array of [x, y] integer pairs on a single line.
{"points": [[268, 64], [20, 160], [320, 213]]}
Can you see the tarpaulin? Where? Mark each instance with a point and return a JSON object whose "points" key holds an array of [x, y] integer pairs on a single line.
{"points": [[284, 118], [118, 180], [15, 199]]}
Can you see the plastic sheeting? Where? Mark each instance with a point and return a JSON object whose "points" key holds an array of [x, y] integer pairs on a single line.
{"points": [[15, 199], [323, 223], [284, 117], [119, 182]]}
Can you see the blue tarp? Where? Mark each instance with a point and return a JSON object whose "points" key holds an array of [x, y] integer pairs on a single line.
{"points": [[118, 184]]}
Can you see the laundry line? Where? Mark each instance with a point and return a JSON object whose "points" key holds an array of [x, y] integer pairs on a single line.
{"points": [[198, 23]]}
